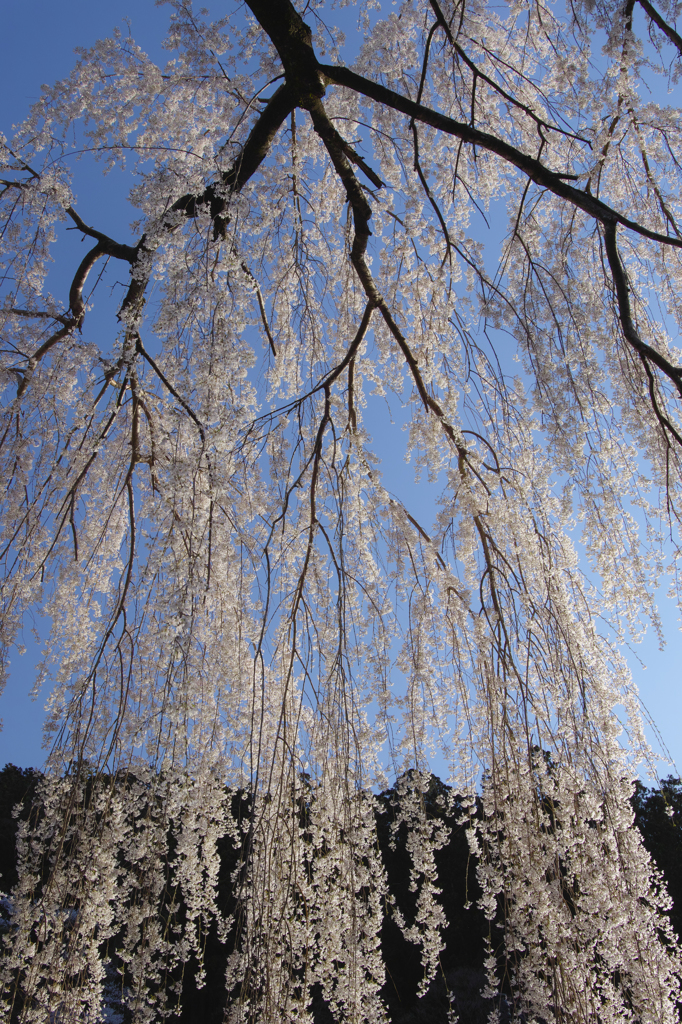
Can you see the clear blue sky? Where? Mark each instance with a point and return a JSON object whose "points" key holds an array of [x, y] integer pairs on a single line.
{"points": [[40, 36]]}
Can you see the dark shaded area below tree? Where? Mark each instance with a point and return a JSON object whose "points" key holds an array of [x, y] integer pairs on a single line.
{"points": [[658, 813]]}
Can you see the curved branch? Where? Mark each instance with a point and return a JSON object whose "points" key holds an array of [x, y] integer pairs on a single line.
{"points": [[664, 420], [215, 196], [69, 323], [362, 211], [361, 216], [76, 290], [329, 378], [620, 280], [106, 245]]}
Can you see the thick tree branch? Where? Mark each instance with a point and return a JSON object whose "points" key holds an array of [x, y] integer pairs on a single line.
{"points": [[658, 20], [107, 246], [215, 196], [674, 373], [76, 291], [250, 158], [536, 171], [293, 41]]}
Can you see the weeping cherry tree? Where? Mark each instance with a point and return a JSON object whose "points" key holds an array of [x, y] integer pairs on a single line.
{"points": [[473, 218]]}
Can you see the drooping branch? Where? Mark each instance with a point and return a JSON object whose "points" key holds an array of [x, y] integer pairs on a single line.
{"points": [[70, 324], [139, 347], [361, 216], [293, 41], [362, 211], [632, 335], [33, 361], [478, 73], [215, 196], [250, 619]]}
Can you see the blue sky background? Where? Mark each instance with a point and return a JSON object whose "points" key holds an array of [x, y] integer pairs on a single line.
{"points": [[40, 36]]}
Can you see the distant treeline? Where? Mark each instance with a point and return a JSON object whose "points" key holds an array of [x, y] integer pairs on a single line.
{"points": [[658, 813]]}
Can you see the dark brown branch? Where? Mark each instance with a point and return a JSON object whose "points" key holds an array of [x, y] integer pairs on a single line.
{"points": [[74, 531], [216, 196], [316, 459], [664, 421], [167, 384], [76, 291], [66, 321], [362, 211], [537, 172], [69, 324], [658, 20], [250, 158], [361, 215], [107, 246], [347, 361], [359, 162], [352, 348], [420, 529], [429, 196], [665, 209], [352, 415], [53, 340], [263, 312], [632, 336], [293, 41]]}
